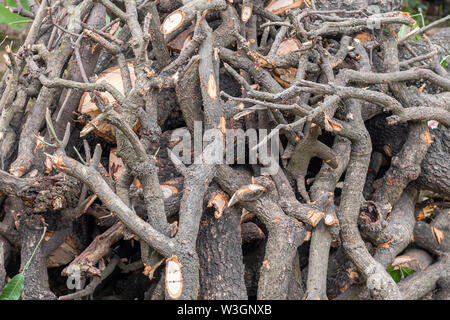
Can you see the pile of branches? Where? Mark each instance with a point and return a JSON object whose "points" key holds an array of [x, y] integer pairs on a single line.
{"points": [[92, 99]]}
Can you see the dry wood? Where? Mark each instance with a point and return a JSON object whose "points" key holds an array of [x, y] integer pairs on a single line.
{"points": [[338, 131]]}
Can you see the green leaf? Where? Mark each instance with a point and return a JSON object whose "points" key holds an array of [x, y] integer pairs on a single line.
{"points": [[407, 271], [13, 20], [14, 288], [396, 275], [416, 37], [404, 30], [400, 273], [108, 21], [117, 32], [444, 61]]}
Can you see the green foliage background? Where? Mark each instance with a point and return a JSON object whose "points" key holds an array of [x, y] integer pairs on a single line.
{"points": [[417, 6], [11, 19]]}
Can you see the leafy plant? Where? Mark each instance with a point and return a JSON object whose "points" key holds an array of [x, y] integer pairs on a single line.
{"points": [[13, 290], [397, 273]]}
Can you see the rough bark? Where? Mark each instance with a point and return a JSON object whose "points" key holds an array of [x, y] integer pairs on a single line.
{"points": [[219, 248]]}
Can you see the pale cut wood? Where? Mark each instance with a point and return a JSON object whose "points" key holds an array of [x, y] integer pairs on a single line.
{"points": [[178, 43], [174, 277], [112, 76], [286, 76], [172, 22], [246, 13], [280, 6], [220, 202], [88, 108], [64, 254], [168, 191]]}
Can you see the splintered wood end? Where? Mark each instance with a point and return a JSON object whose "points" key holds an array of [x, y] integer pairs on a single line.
{"points": [[438, 235], [222, 125], [314, 217], [247, 193], [211, 87], [426, 137], [363, 37], [384, 245], [115, 165], [331, 125], [18, 171], [220, 202], [307, 236], [48, 165], [57, 160]]}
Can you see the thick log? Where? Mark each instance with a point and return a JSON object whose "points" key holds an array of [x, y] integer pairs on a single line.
{"points": [[220, 254]]}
